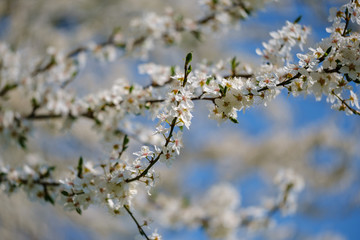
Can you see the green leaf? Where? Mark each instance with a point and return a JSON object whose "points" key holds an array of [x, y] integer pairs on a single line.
{"points": [[197, 35], [322, 58], [234, 63], [116, 30], [74, 74], [65, 193], [172, 71], [347, 77], [48, 172], [223, 90], [189, 69], [48, 198], [328, 50], [125, 142], [80, 167], [234, 120], [78, 210], [186, 201], [208, 80], [22, 141], [297, 19], [131, 88], [34, 102], [188, 58], [9, 87]]}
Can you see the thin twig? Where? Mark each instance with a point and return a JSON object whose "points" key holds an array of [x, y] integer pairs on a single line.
{"points": [[155, 160], [347, 20], [141, 230], [243, 75], [187, 69], [354, 111]]}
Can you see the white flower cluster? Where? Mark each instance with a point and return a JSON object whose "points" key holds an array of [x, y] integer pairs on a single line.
{"points": [[290, 184], [155, 27], [109, 107], [87, 185], [177, 112], [168, 28], [331, 68], [34, 178], [278, 50], [225, 12], [65, 68], [220, 207], [219, 211], [91, 185], [11, 127], [114, 185], [159, 73], [10, 70]]}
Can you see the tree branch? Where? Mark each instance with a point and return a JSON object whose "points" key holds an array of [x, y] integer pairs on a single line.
{"points": [[354, 111], [155, 160], [141, 230]]}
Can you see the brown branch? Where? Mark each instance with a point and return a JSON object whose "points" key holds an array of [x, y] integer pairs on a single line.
{"points": [[212, 16], [187, 70], [354, 111], [298, 75], [110, 41], [8, 88], [45, 68], [155, 160], [282, 84], [155, 85], [347, 20], [243, 75], [141, 230], [42, 182], [90, 114], [47, 116]]}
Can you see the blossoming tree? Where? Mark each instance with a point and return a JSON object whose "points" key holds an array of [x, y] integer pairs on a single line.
{"points": [[36, 90]]}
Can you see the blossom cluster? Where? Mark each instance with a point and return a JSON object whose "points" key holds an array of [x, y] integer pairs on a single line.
{"points": [[45, 83], [278, 50], [225, 12], [168, 28], [220, 213], [290, 184], [34, 178], [330, 68]]}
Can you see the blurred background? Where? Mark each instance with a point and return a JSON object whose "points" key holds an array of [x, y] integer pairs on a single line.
{"points": [[319, 143]]}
